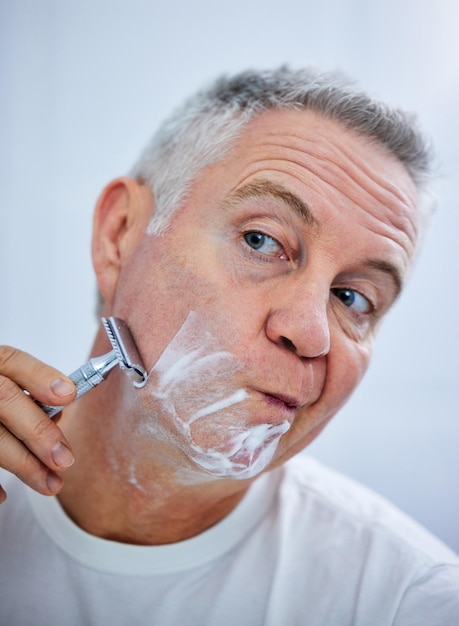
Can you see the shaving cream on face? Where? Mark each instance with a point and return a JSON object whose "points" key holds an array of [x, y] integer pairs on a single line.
{"points": [[200, 407]]}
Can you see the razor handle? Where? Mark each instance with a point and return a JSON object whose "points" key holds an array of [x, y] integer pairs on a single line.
{"points": [[86, 378]]}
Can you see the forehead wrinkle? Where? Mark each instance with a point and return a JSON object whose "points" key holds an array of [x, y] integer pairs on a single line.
{"points": [[262, 188], [333, 154], [350, 146], [381, 189], [398, 210]]}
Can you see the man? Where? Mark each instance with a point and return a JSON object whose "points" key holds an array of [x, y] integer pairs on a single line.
{"points": [[262, 237]]}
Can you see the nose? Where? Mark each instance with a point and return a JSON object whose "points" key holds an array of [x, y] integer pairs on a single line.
{"points": [[300, 325]]}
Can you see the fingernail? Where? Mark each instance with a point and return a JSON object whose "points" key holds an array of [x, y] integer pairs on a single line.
{"points": [[53, 481], [62, 456], [62, 388]]}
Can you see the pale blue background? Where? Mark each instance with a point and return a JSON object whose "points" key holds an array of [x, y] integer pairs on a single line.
{"points": [[82, 85]]}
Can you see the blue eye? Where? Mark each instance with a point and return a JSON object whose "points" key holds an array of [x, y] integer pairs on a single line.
{"points": [[353, 300], [263, 243]]}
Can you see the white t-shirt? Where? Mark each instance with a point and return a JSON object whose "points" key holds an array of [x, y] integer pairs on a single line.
{"points": [[306, 546]]}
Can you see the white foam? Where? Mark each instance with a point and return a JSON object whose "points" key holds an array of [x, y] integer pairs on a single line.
{"points": [[201, 407], [225, 403]]}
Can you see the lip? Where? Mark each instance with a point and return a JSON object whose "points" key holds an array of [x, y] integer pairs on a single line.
{"points": [[282, 401]]}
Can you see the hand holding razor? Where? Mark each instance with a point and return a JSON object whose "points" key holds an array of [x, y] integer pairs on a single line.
{"points": [[124, 353]]}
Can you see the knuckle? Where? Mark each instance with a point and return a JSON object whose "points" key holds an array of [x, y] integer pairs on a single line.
{"points": [[41, 430], [26, 464], [7, 387], [10, 394], [4, 435], [20, 461], [7, 354], [8, 444], [30, 471], [15, 363]]}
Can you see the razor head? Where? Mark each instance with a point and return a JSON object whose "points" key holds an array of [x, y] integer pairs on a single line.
{"points": [[126, 351]]}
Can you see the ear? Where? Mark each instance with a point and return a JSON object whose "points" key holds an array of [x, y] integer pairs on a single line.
{"points": [[122, 214]]}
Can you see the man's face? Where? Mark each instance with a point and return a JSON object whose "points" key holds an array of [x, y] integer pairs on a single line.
{"points": [[268, 288]]}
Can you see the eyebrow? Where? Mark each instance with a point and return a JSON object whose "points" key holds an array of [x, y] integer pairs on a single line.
{"points": [[262, 188], [388, 268]]}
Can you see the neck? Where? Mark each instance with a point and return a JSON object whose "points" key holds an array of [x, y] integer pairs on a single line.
{"points": [[126, 488]]}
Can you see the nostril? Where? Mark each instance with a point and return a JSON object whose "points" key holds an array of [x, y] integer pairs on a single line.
{"points": [[288, 344]]}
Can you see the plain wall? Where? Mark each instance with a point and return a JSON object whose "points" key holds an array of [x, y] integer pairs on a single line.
{"points": [[84, 83]]}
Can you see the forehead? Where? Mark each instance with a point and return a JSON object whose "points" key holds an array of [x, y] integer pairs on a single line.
{"points": [[333, 168], [308, 139]]}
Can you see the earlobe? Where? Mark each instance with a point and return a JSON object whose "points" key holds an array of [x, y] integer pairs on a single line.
{"points": [[122, 214]]}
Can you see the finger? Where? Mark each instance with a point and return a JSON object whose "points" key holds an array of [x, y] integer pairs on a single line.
{"points": [[43, 382], [28, 424], [2, 495], [17, 459]]}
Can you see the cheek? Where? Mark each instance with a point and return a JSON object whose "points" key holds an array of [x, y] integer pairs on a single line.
{"points": [[155, 293], [167, 276], [198, 406], [346, 365]]}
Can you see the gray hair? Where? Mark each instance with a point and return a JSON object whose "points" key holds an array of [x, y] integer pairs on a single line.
{"points": [[206, 127]]}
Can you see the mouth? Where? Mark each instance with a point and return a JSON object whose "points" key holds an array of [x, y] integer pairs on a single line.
{"points": [[287, 404]]}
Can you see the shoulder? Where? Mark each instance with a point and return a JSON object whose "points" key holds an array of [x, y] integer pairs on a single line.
{"points": [[326, 499], [334, 533]]}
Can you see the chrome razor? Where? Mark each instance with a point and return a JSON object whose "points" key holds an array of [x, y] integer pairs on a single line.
{"points": [[124, 353]]}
